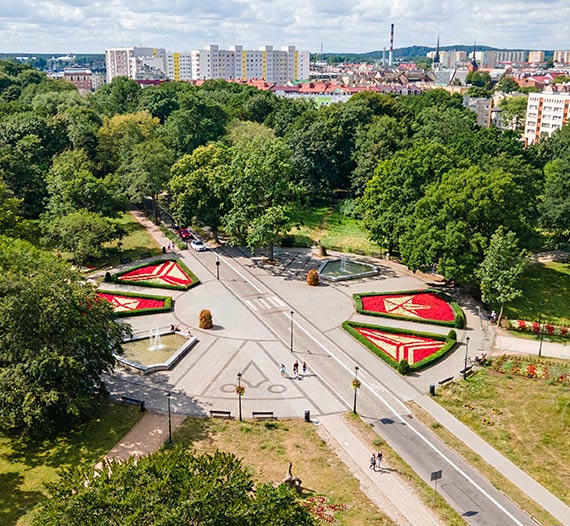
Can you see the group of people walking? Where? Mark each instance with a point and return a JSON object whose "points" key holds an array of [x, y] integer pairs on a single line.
{"points": [[376, 460], [283, 370]]}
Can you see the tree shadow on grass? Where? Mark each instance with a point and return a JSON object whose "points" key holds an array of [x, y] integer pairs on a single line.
{"points": [[15, 502]]}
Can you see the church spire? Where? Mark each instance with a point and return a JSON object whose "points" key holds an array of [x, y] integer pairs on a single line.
{"points": [[436, 56]]}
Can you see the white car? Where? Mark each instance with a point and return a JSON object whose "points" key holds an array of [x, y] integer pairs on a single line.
{"points": [[198, 246]]}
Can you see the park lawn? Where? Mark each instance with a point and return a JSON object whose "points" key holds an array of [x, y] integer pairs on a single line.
{"points": [[545, 290], [334, 230], [530, 422], [26, 468], [268, 447]]}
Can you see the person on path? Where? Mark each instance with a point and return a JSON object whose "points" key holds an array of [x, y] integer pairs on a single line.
{"points": [[373, 462], [304, 368], [282, 370], [296, 367], [379, 458]]}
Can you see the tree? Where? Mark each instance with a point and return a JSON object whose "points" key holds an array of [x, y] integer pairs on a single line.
{"points": [[11, 223], [56, 340], [170, 487], [500, 270], [120, 96], [507, 84], [514, 112], [555, 204], [83, 233], [481, 79]]}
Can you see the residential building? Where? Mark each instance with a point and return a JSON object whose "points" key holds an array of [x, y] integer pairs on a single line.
{"points": [[545, 113], [82, 79], [536, 56], [179, 66], [142, 63], [562, 57]]}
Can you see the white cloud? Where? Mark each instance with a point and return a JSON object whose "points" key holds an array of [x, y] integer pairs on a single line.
{"points": [[341, 25]]}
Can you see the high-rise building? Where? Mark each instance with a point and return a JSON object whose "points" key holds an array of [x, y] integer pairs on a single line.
{"points": [[135, 63], [562, 57], [545, 113], [179, 65], [536, 56]]}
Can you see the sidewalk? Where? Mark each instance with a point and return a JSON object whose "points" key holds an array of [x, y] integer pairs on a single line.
{"points": [[383, 487], [513, 345]]}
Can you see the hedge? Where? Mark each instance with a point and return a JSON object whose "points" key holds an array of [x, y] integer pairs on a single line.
{"points": [[349, 326], [140, 312], [458, 322], [117, 277]]}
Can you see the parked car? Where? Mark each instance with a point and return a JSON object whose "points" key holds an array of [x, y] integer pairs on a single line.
{"points": [[184, 234], [197, 245]]}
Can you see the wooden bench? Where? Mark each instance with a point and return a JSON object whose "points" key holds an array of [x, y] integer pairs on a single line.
{"points": [[135, 401], [262, 415], [466, 369], [445, 380], [220, 414]]}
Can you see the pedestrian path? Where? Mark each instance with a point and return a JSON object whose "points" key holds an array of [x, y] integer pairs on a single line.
{"points": [[511, 344], [384, 487]]}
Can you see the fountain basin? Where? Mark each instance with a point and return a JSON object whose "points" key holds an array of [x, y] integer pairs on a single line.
{"points": [[341, 269], [138, 357]]}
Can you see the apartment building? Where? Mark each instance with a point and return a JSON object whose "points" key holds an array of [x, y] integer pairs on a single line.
{"points": [[545, 113], [82, 79], [179, 65], [449, 59], [536, 56], [135, 63], [562, 57]]}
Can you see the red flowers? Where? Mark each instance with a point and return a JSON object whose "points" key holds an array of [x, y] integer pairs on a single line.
{"points": [[164, 273], [426, 306], [128, 303]]}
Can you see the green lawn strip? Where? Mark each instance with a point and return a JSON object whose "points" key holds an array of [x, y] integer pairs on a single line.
{"points": [[450, 340], [140, 312], [266, 448], [174, 237], [546, 337], [117, 277], [25, 468], [545, 292], [333, 229], [447, 515], [495, 477], [459, 317], [530, 429]]}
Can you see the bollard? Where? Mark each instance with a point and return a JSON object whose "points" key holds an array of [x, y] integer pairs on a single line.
{"points": [[432, 390], [307, 416]]}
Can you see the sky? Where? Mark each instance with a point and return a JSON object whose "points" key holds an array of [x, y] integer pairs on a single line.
{"points": [[90, 26]]}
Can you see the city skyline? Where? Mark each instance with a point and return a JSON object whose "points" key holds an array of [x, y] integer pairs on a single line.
{"points": [[84, 26]]}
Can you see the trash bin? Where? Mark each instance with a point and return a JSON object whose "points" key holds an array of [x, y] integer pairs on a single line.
{"points": [[307, 416], [142, 406], [432, 390]]}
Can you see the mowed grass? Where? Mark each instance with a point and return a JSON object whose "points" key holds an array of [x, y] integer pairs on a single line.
{"points": [[334, 230], [25, 468], [545, 290], [530, 422], [268, 447]]}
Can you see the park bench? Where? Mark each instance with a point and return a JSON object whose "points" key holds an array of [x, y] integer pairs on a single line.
{"points": [[135, 401], [466, 369], [262, 415], [125, 260], [220, 414], [445, 380], [146, 255]]}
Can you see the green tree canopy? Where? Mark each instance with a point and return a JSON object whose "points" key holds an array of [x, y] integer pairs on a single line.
{"points": [[172, 487], [555, 204], [507, 84], [514, 112], [56, 340]]}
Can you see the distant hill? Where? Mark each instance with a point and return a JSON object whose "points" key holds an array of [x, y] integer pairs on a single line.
{"points": [[405, 53]]}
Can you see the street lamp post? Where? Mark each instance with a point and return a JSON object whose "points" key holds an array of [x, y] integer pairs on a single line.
{"points": [[466, 354], [239, 393], [291, 331], [540, 334], [356, 385], [169, 420], [217, 267]]}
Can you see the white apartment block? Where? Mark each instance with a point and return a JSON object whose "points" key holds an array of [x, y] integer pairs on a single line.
{"points": [[545, 113], [179, 66], [135, 62], [562, 57], [450, 59], [536, 56], [489, 59], [272, 65]]}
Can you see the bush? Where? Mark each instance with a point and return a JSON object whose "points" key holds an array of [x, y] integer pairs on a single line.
{"points": [[108, 277], [404, 367], [205, 319], [452, 335], [313, 278]]}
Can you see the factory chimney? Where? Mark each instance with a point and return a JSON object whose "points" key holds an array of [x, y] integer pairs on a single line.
{"points": [[391, 55]]}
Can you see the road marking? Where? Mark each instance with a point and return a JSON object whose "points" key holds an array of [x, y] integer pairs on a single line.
{"points": [[391, 408]]}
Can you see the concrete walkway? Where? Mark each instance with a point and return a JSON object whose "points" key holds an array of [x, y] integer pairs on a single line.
{"points": [[384, 486], [513, 345]]}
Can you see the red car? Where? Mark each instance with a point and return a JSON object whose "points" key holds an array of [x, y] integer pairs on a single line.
{"points": [[184, 234]]}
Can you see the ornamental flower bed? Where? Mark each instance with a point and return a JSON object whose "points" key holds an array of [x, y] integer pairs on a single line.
{"points": [[321, 510], [535, 327], [130, 304], [426, 306], [532, 367], [393, 345], [164, 274]]}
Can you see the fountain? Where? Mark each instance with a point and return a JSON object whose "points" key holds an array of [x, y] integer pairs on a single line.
{"points": [[342, 269], [154, 339]]}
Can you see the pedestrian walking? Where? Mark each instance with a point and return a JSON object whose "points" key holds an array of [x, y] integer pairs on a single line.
{"points": [[373, 461], [304, 368], [379, 458], [282, 370], [296, 367]]}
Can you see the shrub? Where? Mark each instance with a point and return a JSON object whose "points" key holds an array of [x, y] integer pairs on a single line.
{"points": [[313, 278], [404, 367], [452, 335], [108, 277], [205, 319]]}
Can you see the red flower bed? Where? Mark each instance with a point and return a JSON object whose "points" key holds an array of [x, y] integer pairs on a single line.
{"points": [[401, 346], [424, 306], [167, 272], [130, 303]]}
